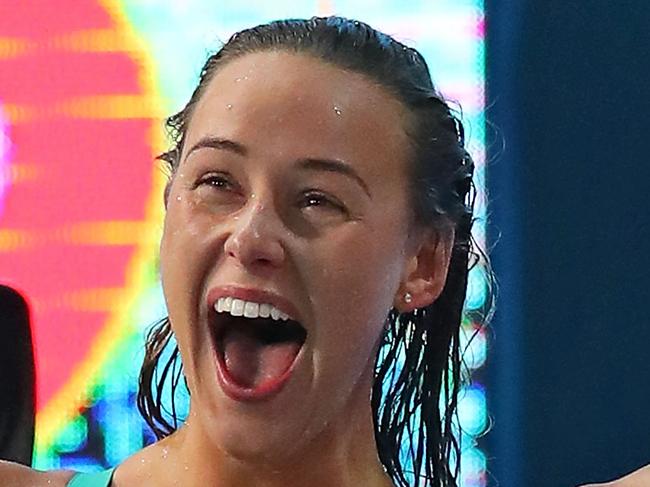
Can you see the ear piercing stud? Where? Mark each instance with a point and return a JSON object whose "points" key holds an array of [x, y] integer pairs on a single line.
{"points": [[408, 298]]}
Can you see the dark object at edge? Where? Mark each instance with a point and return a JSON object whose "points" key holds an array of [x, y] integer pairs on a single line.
{"points": [[17, 396]]}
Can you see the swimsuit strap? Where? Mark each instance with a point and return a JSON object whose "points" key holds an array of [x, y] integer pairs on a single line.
{"points": [[94, 479]]}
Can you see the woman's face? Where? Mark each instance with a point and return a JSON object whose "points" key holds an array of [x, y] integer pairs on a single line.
{"points": [[292, 191]]}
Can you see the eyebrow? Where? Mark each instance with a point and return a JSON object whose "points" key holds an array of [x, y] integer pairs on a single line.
{"points": [[308, 163], [214, 142], [333, 165]]}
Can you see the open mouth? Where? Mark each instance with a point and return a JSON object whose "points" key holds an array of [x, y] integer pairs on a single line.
{"points": [[255, 351]]}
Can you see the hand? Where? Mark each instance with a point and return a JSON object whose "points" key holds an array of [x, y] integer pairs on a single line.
{"points": [[639, 478]]}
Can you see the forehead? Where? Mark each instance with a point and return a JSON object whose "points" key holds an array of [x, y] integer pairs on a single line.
{"points": [[294, 105]]}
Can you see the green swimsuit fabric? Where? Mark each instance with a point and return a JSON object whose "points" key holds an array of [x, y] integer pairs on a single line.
{"points": [[95, 479]]}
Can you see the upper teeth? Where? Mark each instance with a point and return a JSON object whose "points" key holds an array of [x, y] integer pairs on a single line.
{"points": [[248, 309]]}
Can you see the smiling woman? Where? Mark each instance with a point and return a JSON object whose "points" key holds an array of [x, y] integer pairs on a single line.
{"points": [[314, 263]]}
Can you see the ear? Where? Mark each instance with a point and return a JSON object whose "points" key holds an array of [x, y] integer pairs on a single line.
{"points": [[426, 270]]}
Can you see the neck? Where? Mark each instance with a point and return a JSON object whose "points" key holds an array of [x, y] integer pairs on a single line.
{"points": [[342, 457], [343, 454]]}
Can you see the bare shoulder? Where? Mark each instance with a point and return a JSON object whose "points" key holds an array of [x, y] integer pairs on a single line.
{"points": [[16, 475], [639, 478], [151, 466]]}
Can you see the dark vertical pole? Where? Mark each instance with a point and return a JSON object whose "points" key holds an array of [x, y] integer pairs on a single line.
{"points": [[16, 379], [505, 371]]}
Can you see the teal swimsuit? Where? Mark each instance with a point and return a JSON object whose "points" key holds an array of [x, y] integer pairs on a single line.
{"points": [[95, 479]]}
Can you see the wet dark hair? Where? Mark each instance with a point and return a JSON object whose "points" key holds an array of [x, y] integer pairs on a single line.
{"points": [[418, 366]]}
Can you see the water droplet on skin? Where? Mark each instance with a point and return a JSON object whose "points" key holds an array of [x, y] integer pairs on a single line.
{"points": [[337, 110]]}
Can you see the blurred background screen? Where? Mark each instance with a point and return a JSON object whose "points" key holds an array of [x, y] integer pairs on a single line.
{"points": [[84, 89]]}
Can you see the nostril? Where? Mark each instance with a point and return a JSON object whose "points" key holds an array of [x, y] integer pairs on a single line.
{"points": [[255, 249]]}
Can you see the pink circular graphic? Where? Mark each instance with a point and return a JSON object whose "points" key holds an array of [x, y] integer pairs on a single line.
{"points": [[5, 152]]}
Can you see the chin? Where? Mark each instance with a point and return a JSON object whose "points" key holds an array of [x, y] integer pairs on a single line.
{"points": [[255, 435]]}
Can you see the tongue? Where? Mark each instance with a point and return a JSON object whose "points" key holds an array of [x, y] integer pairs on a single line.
{"points": [[253, 363]]}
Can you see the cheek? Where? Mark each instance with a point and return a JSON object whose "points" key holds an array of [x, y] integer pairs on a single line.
{"points": [[365, 266], [354, 288], [183, 247], [182, 265], [182, 269], [172, 259]]}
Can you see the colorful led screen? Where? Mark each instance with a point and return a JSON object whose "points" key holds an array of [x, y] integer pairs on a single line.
{"points": [[84, 88]]}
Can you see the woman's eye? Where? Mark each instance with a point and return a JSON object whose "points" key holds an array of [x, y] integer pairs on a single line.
{"points": [[217, 181], [319, 200], [218, 189]]}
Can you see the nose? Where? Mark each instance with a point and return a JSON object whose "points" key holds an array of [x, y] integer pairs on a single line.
{"points": [[255, 238]]}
